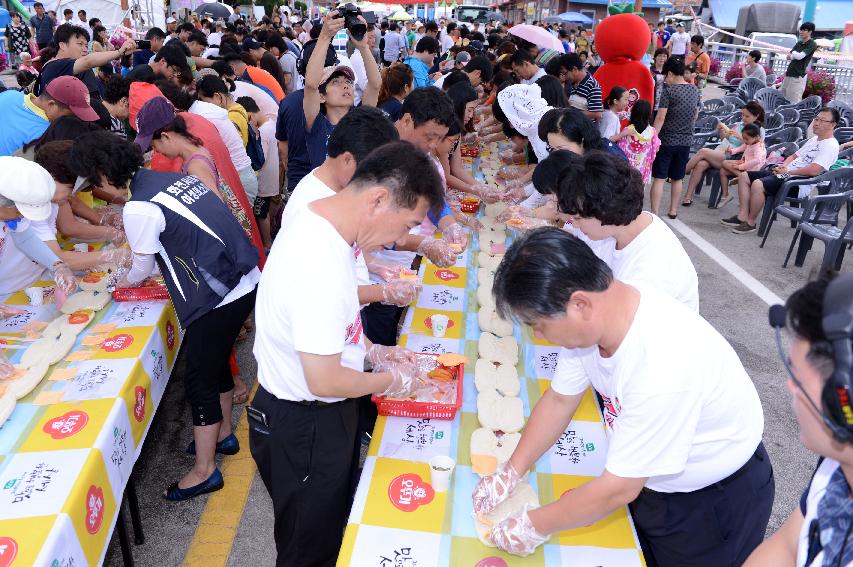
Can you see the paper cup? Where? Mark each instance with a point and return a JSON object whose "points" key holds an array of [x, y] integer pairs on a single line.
{"points": [[81, 247], [35, 295], [439, 324], [440, 471]]}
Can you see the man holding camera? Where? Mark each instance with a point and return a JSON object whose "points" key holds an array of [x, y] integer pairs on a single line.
{"points": [[820, 362], [329, 91]]}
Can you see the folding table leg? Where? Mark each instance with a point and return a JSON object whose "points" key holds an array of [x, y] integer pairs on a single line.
{"points": [[121, 528], [133, 506]]}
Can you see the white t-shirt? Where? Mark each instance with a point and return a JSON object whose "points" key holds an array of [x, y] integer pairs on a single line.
{"points": [[17, 270], [679, 407], [307, 302], [445, 40], [357, 64], [230, 136], [823, 152], [143, 223], [538, 75], [308, 190], [268, 185], [608, 125], [265, 102], [680, 41]]}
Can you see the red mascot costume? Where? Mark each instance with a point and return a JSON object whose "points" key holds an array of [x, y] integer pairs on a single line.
{"points": [[621, 41]]}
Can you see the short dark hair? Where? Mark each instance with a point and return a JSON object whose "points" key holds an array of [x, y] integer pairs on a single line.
{"points": [[542, 270], [751, 130], [454, 77], [674, 65], [97, 156], [186, 27], [66, 32], [405, 170], [756, 55], [363, 130], [571, 123], [209, 85], [520, 57], [38, 5], [81, 12], [180, 98], [805, 319], [155, 33], [173, 55], [116, 88], [54, 157], [836, 116], [198, 37], [482, 64], [697, 39], [807, 26], [660, 51], [547, 174], [427, 44], [431, 26], [248, 103], [641, 115], [67, 11], [427, 104], [571, 61], [602, 186]]}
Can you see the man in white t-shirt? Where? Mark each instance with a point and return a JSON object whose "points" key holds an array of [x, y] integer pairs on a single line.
{"points": [[311, 349], [818, 531], [603, 195], [679, 42], [814, 158], [683, 418]]}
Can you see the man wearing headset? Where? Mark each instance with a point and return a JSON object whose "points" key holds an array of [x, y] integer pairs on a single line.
{"points": [[820, 530]]}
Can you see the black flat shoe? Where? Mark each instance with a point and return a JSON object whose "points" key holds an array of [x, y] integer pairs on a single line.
{"points": [[212, 484], [673, 217], [686, 203], [228, 446]]}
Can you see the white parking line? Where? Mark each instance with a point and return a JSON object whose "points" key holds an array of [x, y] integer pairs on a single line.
{"points": [[727, 263]]}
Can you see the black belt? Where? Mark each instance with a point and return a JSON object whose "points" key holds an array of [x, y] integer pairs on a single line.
{"points": [[311, 403], [758, 455]]}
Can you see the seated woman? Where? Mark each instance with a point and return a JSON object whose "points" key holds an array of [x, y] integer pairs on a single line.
{"points": [[705, 158]]}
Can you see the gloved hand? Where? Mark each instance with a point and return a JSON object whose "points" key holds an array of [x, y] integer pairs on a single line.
{"points": [[6, 367], [495, 488], [456, 234], [66, 283], [116, 236], [7, 311], [525, 224], [515, 211], [121, 257], [439, 252], [486, 193], [517, 535], [112, 217], [385, 269], [406, 379], [469, 138], [400, 292], [509, 172], [515, 191], [382, 354], [507, 156], [470, 221]]}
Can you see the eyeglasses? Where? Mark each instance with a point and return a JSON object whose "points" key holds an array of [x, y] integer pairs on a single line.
{"points": [[824, 121], [341, 82]]}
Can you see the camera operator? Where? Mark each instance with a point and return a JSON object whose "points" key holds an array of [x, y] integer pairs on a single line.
{"points": [[329, 91], [820, 363]]}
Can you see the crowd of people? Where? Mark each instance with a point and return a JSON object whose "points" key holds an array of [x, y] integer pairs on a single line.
{"points": [[261, 166]]}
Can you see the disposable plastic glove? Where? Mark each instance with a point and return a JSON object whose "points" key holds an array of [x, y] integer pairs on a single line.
{"points": [[6, 367], [507, 156], [526, 224], [509, 172], [385, 269], [119, 256], [382, 354], [513, 212], [112, 217], [400, 292], [517, 535], [117, 237], [66, 283], [7, 311], [456, 234], [439, 252], [495, 488], [407, 378], [470, 221]]}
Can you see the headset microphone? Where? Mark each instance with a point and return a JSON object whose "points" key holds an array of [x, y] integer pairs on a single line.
{"points": [[777, 317]]}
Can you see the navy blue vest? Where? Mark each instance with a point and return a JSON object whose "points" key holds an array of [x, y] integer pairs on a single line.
{"points": [[206, 249]]}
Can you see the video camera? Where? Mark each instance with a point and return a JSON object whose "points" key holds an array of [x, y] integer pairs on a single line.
{"points": [[356, 27]]}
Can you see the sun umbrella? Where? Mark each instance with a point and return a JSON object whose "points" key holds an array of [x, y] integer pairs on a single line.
{"points": [[574, 18], [215, 10], [401, 16], [537, 36]]}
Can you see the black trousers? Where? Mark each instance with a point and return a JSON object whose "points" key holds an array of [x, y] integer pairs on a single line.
{"points": [[719, 525], [304, 455], [207, 346]]}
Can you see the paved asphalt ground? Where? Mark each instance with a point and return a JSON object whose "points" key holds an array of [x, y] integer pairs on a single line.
{"points": [[236, 534]]}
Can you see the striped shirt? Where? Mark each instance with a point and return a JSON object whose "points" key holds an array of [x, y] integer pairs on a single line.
{"points": [[589, 90]]}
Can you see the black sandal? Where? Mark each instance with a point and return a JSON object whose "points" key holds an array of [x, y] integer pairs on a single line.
{"points": [[686, 203]]}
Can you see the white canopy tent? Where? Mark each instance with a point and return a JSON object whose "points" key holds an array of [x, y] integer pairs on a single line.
{"points": [[147, 13]]}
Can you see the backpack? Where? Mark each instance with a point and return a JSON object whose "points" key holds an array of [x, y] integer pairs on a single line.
{"points": [[254, 149]]}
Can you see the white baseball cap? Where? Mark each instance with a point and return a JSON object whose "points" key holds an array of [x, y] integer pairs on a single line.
{"points": [[28, 185], [171, 20]]}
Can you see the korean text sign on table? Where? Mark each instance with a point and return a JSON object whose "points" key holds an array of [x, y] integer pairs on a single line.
{"points": [[398, 519], [67, 451]]}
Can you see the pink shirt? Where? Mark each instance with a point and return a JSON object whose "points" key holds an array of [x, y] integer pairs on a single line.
{"points": [[754, 155]]}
